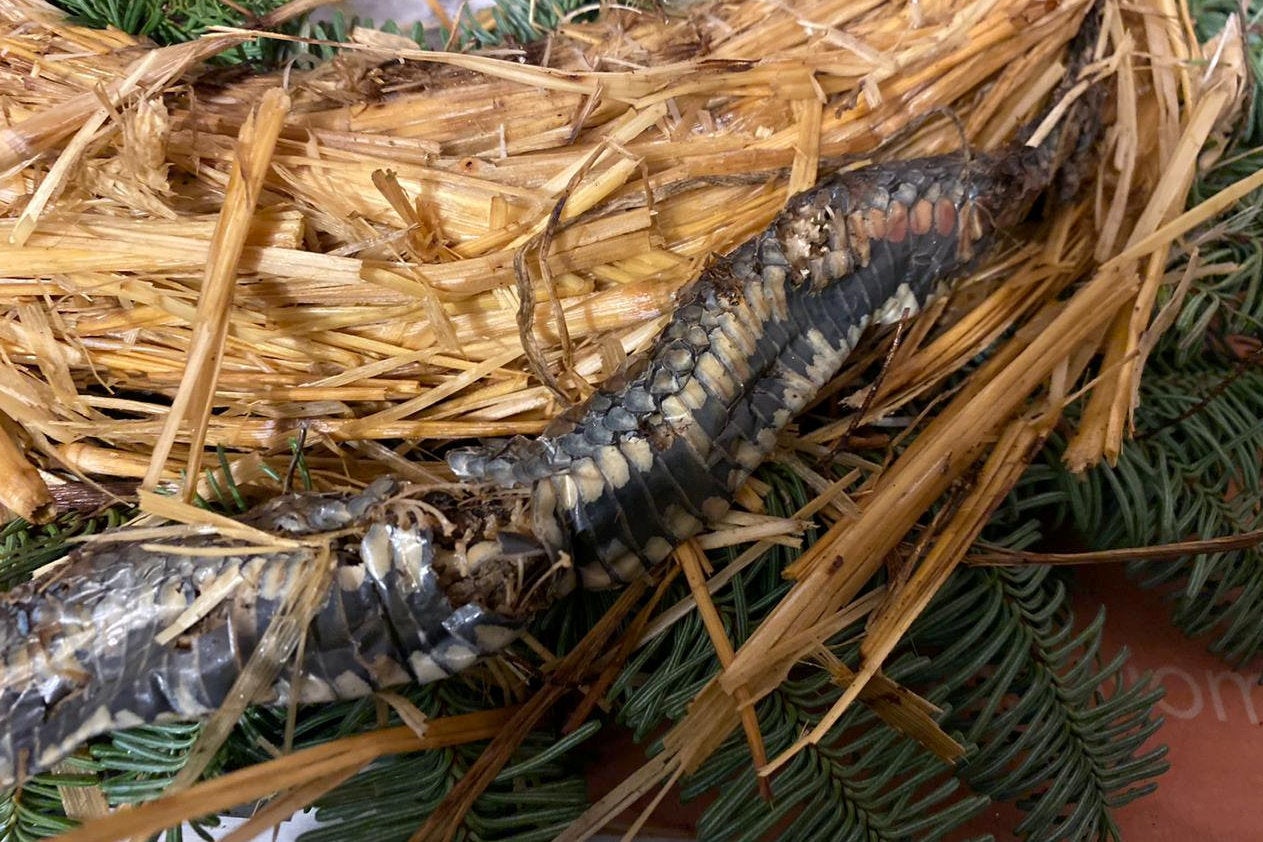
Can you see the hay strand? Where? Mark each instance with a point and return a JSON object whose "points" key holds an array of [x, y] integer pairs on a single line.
{"points": [[192, 401], [24, 492]]}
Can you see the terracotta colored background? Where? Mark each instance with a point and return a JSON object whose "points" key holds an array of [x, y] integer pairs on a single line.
{"points": [[1214, 789]]}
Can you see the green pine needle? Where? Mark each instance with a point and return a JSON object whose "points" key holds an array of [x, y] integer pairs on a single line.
{"points": [[175, 21], [25, 548], [130, 767], [1052, 729], [1193, 470]]}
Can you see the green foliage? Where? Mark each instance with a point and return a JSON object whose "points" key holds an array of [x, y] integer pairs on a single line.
{"points": [[1192, 470], [1058, 731], [1050, 727], [339, 29], [130, 767], [1229, 303], [24, 547], [540, 792], [533, 799], [537, 795], [522, 23], [176, 21], [512, 23]]}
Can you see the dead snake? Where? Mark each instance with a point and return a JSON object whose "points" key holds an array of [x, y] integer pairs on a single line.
{"points": [[425, 582]]}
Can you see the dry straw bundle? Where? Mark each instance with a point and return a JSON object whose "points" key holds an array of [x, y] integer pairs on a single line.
{"points": [[406, 246]]}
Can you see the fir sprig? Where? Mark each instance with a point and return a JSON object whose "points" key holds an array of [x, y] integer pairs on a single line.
{"points": [[167, 22], [1050, 726], [503, 23], [25, 548], [132, 766], [1192, 471], [339, 28], [176, 21], [1052, 729], [540, 792]]}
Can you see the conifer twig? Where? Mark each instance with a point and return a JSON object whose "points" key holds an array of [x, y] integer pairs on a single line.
{"points": [[292, 770], [1000, 557]]}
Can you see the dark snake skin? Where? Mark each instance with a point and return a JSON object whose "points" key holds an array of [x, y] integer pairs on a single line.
{"points": [[654, 458], [79, 650], [424, 583]]}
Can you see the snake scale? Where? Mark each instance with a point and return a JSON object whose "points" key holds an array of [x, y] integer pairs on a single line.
{"points": [[424, 582]]}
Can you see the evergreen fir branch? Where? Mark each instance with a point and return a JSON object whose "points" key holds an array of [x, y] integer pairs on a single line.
{"points": [[1057, 730], [167, 22], [24, 547], [1229, 304], [1192, 469], [534, 798], [1232, 303], [1046, 734], [130, 767], [175, 21], [339, 28], [520, 23], [510, 23], [1186, 475], [1051, 728]]}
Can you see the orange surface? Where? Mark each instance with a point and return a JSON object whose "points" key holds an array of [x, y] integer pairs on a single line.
{"points": [[1214, 789]]}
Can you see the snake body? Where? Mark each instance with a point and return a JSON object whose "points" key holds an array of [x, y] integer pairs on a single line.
{"points": [[421, 584], [81, 650], [656, 456]]}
